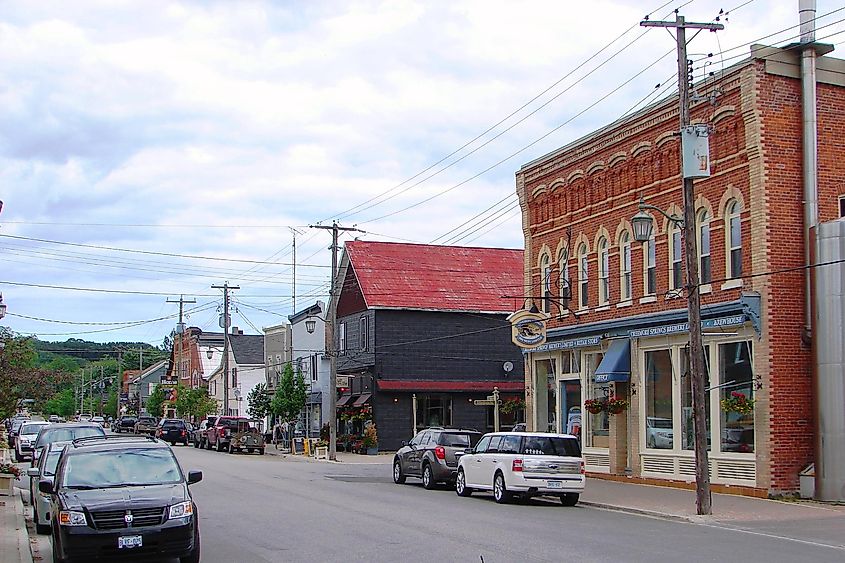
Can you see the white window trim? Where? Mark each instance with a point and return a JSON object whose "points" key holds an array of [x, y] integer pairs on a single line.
{"points": [[625, 289], [703, 219], [604, 272], [583, 277], [732, 284], [729, 247], [675, 259], [646, 267], [546, 282]]}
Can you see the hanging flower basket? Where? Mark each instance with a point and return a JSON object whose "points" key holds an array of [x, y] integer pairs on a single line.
{"points": [[738, 403], [595, 406], [616, 406]]}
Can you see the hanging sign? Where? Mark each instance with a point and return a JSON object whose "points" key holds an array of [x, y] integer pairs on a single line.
{"points": [[528, 329]]}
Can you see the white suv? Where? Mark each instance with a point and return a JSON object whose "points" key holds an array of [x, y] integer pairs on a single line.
{"points": [[526, 463]]}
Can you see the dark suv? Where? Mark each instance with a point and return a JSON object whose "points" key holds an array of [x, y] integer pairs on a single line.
{"points": [[125, 423], [121, 496], [173, 430], [432, 455]]}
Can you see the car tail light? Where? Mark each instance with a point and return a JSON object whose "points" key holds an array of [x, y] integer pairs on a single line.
{"points": [[583, 469], [440, 452], [222, 432], [517, 465], [183, 432]]}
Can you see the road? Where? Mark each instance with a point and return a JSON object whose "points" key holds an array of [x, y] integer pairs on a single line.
{"points": [[267, 508]]}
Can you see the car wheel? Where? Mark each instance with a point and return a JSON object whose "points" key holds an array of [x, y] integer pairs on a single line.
{"points": [[56, 558], [219, 446], [569, 499], [500, 491], [461, 485], [39, 528], [18, 457], [231, 449], [261, 451], [428, 477], [398, 474]]}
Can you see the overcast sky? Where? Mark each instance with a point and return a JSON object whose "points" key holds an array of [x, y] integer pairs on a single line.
{"points": [[216, 128]]}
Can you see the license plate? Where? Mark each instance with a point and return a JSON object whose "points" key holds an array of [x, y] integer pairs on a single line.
{"points": [[129, 542], [555, 484]]}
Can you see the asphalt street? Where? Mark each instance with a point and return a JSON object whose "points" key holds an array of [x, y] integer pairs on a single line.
{"points": [[266, 508]]}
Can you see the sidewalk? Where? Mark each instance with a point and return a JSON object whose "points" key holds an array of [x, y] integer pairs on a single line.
{"points": [[342, 457], [14, 539]]}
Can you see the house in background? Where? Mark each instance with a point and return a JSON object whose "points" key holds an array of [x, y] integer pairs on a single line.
{"points": [[277, 348], [145, 383], [309, 358], [246, 370], [422, 333]]}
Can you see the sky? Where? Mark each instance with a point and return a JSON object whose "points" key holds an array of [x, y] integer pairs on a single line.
{"points": [[153, 149]]}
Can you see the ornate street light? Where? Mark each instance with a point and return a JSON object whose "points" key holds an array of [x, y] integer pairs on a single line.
{"points": [[643, 223], [310, 325]]}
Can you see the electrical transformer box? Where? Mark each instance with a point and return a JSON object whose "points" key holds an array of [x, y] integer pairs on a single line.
{"points": [[696, 150]]}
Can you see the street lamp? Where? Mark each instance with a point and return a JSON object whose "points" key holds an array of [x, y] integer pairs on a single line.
{"points": [[642, 224], [2, 307]]}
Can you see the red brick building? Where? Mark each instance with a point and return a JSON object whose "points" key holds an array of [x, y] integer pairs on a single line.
{"points": [[618, 319]]}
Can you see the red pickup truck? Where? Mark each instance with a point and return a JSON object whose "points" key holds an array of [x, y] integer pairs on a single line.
{"points": [[219, 435]]}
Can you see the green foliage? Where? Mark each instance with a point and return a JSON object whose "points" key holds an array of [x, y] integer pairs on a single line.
{"points": [[63, 403], [258, 401], [290, 396], [155, 402], [194, 402], [20, 376]]}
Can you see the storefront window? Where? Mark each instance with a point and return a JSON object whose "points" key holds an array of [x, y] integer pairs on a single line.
{"points": [[434, 410], [658, 400], [737, 378], [544, 385], [598, 433], [687, 427]]}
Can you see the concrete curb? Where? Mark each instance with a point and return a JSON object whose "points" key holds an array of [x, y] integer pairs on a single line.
{"points": [[646, 512]]}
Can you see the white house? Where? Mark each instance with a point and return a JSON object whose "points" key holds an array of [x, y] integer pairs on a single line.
{"points": [[308, 355], [246, 370]]}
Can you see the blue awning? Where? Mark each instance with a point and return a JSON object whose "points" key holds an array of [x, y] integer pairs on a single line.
{"points": [[616, 364]]}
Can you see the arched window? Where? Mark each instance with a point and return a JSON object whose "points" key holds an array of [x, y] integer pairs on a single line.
{"points": [[704, 269], [649, 267], [546, 272], [583, 280], [565, 287], [675, 257], [733, 238], [604, 272], [625, 267]]}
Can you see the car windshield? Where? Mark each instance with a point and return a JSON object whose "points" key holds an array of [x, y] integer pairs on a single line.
{"points": [[131, 419], [551, 445], [49, 435], [172, 424], [458, 440], [130, 467], [32, 428], [52, 462]]}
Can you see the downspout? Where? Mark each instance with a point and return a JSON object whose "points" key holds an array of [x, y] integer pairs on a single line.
{"points": [[807, 17]]}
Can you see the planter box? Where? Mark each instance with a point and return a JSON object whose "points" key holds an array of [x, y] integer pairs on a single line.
{"points": [[7, 484], [372, 451]]}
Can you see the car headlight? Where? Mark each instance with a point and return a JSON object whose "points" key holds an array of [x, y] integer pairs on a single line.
{"points": [[182, 510], [72, 518]]}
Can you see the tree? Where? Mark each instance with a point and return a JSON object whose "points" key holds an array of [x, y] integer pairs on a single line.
{"points": [[259, 401], [194, 402], [290, 396], [20, 378], [63, 403], [155, 402]]}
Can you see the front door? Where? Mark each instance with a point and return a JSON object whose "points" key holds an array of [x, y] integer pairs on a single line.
{"points": [[570, 407]]}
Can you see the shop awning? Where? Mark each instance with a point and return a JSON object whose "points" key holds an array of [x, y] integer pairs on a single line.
{"points": [[362, 400], [616, 364], [344, 400]]}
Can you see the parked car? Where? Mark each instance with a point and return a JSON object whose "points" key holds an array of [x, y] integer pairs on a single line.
{"points": [[125, 423], [219, 435], [136, 503], [84, 417], [432, 455], [198, 434], [54, 418], [99, 420], [14, 427], [173, 430], [64, 433], [247, 437], [526, 463], [659, 432], [146, 425], [40, 502], [25, 440]]}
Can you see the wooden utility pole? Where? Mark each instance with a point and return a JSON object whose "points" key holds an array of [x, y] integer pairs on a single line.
{"points": [[331, 349], [226, 287], [696, 346]]}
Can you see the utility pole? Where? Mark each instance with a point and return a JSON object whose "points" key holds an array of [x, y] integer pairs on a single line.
{"points": [[332, 350], [225, 287], [293, 288], [697, 367], [180, 331]]}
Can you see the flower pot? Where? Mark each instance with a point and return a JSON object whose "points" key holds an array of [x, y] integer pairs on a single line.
{"points": [[595, 409], [616, 410], [372, 451], [7, 484]]}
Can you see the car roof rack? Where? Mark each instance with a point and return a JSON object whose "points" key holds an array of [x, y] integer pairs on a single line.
{"points": [[137, 437]]}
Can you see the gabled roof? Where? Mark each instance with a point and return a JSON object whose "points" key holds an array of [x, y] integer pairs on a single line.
{"points": [[247, 348], [437, 278]]}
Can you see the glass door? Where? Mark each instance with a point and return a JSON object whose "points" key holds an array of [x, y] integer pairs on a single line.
{"points": [[570, 407]]}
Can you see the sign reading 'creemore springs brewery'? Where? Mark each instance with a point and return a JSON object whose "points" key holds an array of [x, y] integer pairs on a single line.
{"points": [[528, 329]]}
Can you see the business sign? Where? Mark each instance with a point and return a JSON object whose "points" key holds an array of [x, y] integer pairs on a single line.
{"points": [[528, 329], [568, 344], [663, 330], [342, 381]]}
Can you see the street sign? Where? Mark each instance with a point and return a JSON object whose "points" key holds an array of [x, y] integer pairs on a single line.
{"points": [[342, 381], [492, 397], [485, 403]]}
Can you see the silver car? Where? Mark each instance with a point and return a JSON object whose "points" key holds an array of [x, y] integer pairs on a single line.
{"points": [[25, 440], [40, 502]]}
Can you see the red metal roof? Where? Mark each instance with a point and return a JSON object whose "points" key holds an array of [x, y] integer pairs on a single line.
{"points": [[440, 278], [447, 385]]}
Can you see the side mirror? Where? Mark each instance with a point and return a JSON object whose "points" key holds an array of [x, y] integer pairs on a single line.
{"points": [[194, 477], [46, 486], [469, 450], [32, 472]]}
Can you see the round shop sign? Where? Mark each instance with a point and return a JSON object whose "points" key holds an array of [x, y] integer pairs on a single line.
{"points": [[528, 329]]}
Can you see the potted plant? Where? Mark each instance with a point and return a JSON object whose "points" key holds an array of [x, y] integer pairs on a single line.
{"points": [[595, 406], [616, 406], [512, 405], [370, 440], [9, 472], [737, 402]]}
